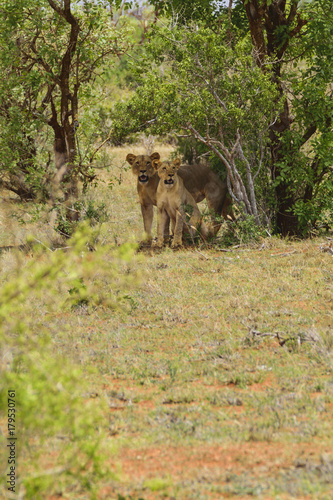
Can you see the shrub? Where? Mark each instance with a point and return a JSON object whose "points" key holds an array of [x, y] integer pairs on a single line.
{"points": [[51, 412]]}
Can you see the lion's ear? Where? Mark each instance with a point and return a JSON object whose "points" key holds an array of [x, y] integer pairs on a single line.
{"points": [[177, 163], [130, 158], [156, 163], [155, 156]]}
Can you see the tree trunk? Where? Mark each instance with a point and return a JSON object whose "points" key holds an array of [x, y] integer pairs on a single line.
{"points": [[286, 222], [270, 19]]}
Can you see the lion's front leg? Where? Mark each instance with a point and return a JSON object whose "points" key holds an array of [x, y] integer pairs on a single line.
{"points": [[178, 230], [167, 229], [162, 223], [147, 215]]}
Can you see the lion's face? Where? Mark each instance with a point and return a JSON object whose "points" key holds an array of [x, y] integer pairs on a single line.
{"points": [[142, 166], [167, 172]]}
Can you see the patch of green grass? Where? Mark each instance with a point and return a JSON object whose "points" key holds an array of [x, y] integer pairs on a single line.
{"points": [[157, 484]]}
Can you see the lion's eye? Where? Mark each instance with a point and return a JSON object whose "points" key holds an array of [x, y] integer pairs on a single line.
{"points": [[164, 168], [137, 163], [148, 163]]}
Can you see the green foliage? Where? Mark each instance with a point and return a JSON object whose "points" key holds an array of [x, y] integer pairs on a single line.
{"points": [[18, 162], [241, 232], [94, 213], [208, 12], [189, 149], [52, 412], [46, 75], [184, 11], [157, 484], [307, 160], [79, 293], [202, 78]]}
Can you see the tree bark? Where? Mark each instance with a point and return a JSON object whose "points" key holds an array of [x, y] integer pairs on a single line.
{"points": [[64, 143], [264, 18]]}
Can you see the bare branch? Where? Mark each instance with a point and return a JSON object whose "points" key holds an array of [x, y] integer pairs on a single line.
{"points": [[250, 182], [236, 186], [55, 6], [99, 147], [260, 159], [230, 190]]}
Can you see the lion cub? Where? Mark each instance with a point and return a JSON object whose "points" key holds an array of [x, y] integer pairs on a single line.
{"points": [[173, 201]]}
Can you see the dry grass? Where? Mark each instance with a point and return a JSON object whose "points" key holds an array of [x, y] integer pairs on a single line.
{"points": [[218, 378]]}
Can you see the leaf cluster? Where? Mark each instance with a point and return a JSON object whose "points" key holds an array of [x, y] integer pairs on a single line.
{"points": [[307, 146], [197, 77]]}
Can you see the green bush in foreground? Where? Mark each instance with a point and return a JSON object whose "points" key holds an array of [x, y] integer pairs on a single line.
{"points": [[58, 432]]}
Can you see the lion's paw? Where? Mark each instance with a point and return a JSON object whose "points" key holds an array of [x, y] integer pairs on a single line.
{"points": [[158, 244]]}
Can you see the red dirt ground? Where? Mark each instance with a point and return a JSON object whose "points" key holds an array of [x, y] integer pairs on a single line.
{"points": [[181, 462]]}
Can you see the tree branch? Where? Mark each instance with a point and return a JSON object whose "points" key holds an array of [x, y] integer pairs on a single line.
{"points": [[255, 14]]}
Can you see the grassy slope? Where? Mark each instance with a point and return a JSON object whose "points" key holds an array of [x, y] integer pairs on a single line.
{"points": [[201, 403]]}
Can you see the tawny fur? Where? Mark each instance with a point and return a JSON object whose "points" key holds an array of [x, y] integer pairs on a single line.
{"points": [[198, 179], [174, 201]]}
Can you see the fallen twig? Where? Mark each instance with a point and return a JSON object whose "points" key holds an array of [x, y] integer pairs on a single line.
{"points": [[41, 243], [202, 255], [282, 254], [311, 336]]}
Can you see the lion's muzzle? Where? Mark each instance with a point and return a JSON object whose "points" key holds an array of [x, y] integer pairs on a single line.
{"points": [[143, 178]]}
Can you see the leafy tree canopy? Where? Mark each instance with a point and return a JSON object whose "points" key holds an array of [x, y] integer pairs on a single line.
{"points": [[52, 55]]}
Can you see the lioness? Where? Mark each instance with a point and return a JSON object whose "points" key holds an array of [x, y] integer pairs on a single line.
{"points": [[173, 201], [199, 180]]}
